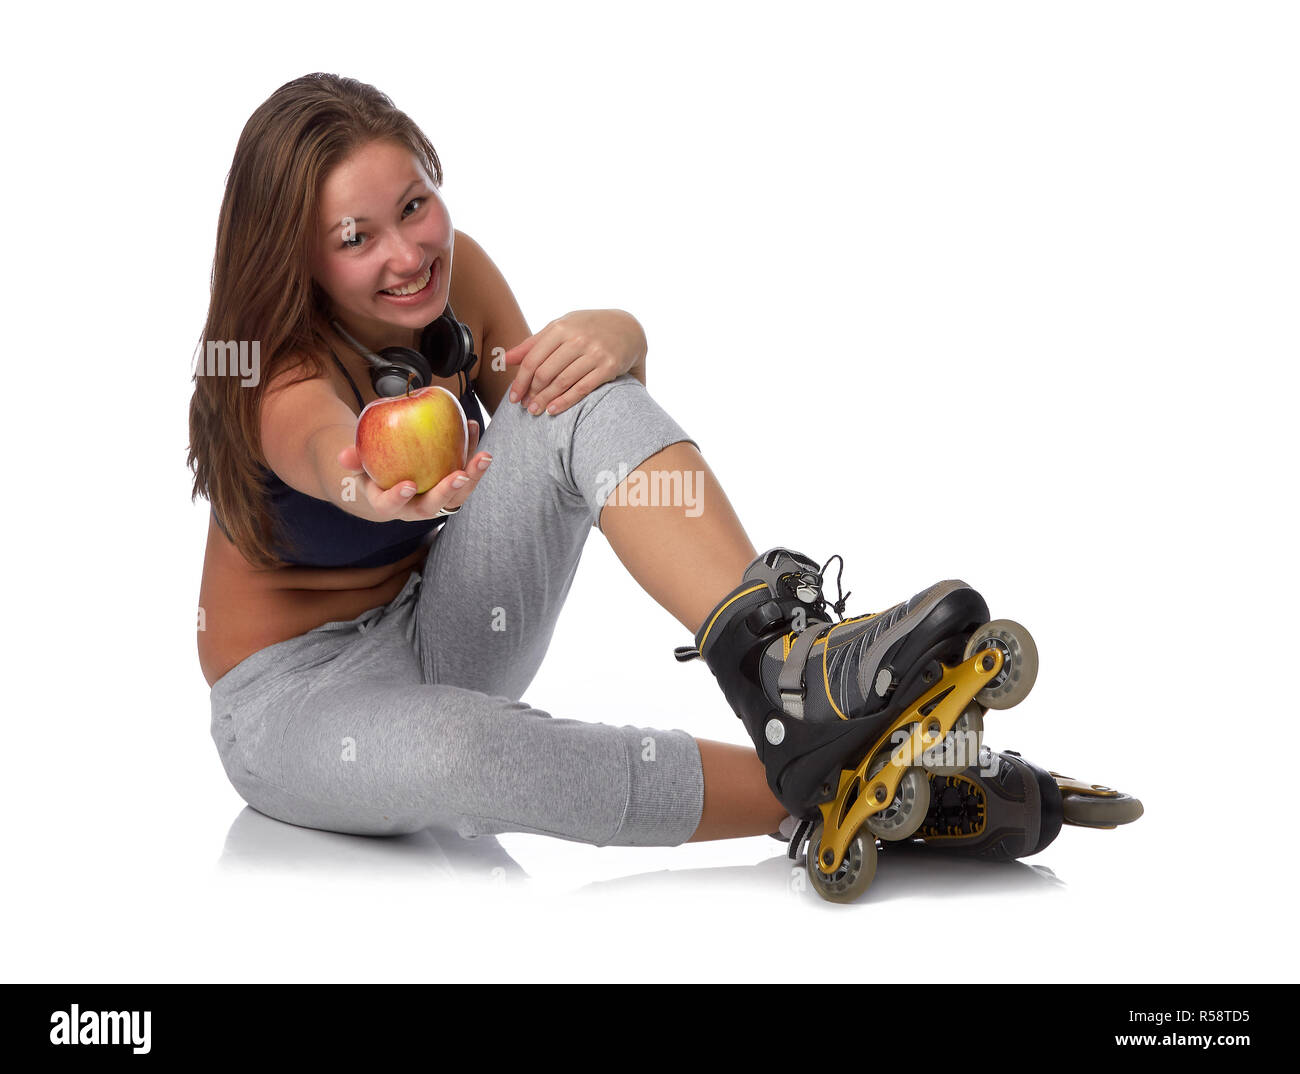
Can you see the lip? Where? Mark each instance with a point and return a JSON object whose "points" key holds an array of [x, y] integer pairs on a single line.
{"points": [[429, 288]]}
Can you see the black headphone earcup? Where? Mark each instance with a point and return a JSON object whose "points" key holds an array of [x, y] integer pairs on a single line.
{"points": [[395, 378], [448, 345]]}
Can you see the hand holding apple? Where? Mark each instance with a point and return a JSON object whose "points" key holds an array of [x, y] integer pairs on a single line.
{"points": [[421, 445]]}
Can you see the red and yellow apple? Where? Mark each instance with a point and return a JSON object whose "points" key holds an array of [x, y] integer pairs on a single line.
{"points": [[421, 436]]}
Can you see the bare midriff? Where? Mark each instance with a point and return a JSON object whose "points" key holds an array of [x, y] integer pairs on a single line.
{"points": [[246, 609]]}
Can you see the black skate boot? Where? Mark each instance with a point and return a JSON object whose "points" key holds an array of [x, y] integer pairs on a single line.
{"points": [[848, 716]]}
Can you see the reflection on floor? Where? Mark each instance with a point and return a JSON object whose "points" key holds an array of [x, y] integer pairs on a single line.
{"points": [[256, 843]]}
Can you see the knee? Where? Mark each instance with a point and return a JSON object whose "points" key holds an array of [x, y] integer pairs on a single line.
{"points": [[470, 734]]}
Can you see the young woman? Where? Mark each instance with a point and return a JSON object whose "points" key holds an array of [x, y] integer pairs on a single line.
{"points": [[367, 647]]}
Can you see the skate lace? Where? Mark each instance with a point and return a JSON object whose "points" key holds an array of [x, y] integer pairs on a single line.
{"points": [[688, 652], [838, 606]]}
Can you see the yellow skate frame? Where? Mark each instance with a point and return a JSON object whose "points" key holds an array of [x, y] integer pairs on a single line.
{"points": [[840, 822], [1070, 785]]}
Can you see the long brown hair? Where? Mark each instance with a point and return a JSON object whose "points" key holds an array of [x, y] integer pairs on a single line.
{"points": [[262, 288]]}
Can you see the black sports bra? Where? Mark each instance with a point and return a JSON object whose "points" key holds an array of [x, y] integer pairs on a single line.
{"points": [[317, 533]]}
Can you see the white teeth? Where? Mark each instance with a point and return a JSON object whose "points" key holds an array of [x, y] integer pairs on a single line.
{"points": [[419, 284]]}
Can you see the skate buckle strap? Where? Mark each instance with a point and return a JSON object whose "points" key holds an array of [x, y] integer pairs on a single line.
{"points": [[769, 614], [791, 680]]}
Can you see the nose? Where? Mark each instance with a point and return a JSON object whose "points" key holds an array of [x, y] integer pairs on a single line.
{"points": [[405, 256]]}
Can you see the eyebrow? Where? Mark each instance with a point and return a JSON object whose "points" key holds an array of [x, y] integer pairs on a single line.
{"points": [[360, 219]]}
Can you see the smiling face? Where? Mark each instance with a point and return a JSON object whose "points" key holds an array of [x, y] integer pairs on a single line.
{"points": [[383, 229]]}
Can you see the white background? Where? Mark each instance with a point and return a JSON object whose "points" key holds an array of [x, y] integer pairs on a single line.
{"points": [[997, 291]]}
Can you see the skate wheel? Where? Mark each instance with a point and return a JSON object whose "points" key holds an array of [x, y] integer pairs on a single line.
{"points": [[855, 873], [961, 748], [1020, 662], [907, 811], [1093, 811]]}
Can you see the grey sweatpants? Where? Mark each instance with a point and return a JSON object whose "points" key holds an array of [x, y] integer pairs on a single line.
{"points": [[409, 715]]}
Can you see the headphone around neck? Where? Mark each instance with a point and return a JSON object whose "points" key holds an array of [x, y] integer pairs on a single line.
{"points": [[446, 349]]}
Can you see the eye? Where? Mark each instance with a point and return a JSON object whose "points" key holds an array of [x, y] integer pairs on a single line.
{"points": [[355, 242]]}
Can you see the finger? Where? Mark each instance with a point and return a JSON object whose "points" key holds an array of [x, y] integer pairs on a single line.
{"points": [[519, 351], [389, 502], [548, 339], [581, 390], [573, 372], [446, 493], [475, 459], [350, 458], [566, 354]]}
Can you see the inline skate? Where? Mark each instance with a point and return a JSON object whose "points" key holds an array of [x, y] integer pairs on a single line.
{"points": [[850, 718], [1003, 808], [1006, 807]]}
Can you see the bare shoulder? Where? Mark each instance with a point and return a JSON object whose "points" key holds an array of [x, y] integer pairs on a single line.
{"points": [[466, 294], [296, 405], [497, 322]]}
